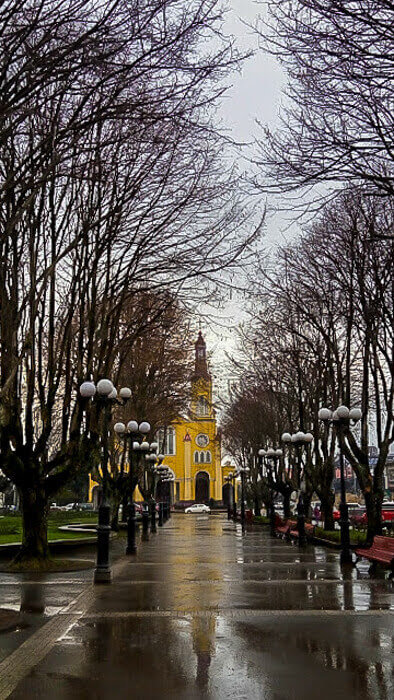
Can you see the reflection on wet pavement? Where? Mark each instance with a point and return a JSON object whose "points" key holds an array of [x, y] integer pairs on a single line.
{"points": [[205, 612]]}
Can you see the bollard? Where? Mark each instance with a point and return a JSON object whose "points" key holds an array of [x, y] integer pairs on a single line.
{"points": [[160, 514]]}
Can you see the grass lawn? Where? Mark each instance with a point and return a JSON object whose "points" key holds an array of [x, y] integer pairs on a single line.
{"points": [[11, 526]]}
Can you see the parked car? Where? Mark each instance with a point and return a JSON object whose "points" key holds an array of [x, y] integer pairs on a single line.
{"points": [[84, 506], [388, 512], [198, 508], [356, 514], [70, 506], [387, 515]]}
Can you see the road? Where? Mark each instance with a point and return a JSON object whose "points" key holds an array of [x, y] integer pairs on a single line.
{"points": [[206, 611]]}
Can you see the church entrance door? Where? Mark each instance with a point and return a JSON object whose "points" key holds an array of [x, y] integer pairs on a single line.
{"points": [[202, 487]]}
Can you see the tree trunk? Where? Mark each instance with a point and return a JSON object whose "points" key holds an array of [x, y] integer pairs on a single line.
{"points": [[115, 503], [256, 506], [34, 506], [373, 504], [286, 503], [327, 504], [125, 501], [307, 497]]}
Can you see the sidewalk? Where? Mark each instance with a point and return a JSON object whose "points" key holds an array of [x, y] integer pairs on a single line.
{"points": [[205, 612]]}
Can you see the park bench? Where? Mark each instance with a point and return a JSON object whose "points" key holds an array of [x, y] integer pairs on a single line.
{"points": [[309, 531], [381, 551], [286, 527], [289, 529]]}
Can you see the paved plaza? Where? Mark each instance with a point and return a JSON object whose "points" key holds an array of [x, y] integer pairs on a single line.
{"points": [[202, 611]]}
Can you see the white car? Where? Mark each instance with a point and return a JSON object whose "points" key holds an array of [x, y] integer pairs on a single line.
{"points": [[198, 508]]}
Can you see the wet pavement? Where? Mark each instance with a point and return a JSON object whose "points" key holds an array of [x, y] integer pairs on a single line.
{"points": [[205, 611]]}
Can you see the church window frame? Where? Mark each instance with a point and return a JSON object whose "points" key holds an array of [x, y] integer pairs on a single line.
{"points": [[167, 441], [202, 406]]}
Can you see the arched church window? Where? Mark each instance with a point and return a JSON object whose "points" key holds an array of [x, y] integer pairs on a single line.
{"points": [[196, 456], [202, 406], [170, 442], [208, 456], [166, 440], [202, 457]]}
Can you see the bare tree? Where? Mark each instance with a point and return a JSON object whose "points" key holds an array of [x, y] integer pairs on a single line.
{"points": [[111, 187], [339, 282], [337, 120]]}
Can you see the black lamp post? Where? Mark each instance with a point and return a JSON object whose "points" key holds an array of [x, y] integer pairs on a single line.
{"points": [[106, 394], [232, 478], [228, 481], [341, 418], [152, 459], [243, 472], [271, 458], [298, 441], [133, 434]]}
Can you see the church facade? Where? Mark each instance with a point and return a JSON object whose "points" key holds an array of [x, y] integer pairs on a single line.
{"points": [[192, 444]]}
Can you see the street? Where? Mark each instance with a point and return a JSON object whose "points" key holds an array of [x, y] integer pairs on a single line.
{"points": [[204, 611]]}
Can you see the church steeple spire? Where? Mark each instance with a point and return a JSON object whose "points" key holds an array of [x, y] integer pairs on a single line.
{"points": [[201, 366]]}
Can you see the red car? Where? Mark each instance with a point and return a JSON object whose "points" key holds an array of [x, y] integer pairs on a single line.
{"points": [[387, 514], [336, 513]]}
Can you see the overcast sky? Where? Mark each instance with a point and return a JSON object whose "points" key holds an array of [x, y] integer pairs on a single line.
{"points": [[255, 94], [256, 91]]}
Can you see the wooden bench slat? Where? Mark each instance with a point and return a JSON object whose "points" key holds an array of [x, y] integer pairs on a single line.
{"points": [[381, 551]]}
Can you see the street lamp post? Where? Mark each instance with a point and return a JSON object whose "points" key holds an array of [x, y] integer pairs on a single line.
{"points": [[165, 475], [132, 433], [232, 478], [106, 394], [152, 459], [298, 441], [271, 457], [340, 418], [243, 472], [228, 481]]}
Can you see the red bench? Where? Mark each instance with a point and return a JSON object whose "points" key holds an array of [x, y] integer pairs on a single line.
{"points": [[381, 551], [289, 529], [286, 528], [309, 530]]}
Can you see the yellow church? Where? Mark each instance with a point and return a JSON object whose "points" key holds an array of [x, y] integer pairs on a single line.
{"points": [[192, 448], [192, 445]]}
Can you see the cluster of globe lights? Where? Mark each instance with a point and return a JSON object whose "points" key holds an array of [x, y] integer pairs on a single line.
{"points": [[105, 389], [342, 413], [133, 428], [270, 452], [163, 471], [297, 438]]}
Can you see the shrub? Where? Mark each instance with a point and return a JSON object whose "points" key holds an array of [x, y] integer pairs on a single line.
{"points": [[356, 537]]}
